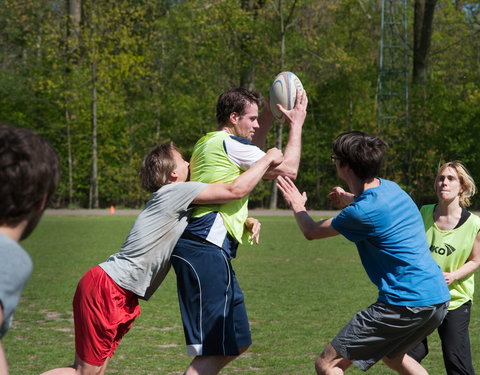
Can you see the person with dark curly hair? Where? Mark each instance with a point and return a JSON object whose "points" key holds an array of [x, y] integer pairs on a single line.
{"points": [[29, 174], [386, 227]]}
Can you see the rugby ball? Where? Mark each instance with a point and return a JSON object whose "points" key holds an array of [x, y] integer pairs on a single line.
{"points": [[284, 91]]}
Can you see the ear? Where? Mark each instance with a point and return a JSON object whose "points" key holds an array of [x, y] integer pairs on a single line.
{"points": [[234, 118], [173, 176]]}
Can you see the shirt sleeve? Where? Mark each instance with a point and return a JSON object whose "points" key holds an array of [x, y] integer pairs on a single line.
{"points": [[15, 271], [184, 193], [242, 152], [354, 224]]}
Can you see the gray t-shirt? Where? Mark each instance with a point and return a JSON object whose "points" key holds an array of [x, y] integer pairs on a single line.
{"points": [[144, 259], [15, 270]]}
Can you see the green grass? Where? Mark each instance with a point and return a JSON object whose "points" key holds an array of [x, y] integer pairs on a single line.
{"points": [[298, 293]]}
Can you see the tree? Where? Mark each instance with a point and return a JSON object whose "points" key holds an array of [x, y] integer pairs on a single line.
{"points": [[422, 36]]}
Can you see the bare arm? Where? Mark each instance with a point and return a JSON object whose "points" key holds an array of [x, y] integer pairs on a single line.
{"points": [[265, 121], [243, 185], [339, 197], [311, 229], [470, 266], [295, 117], [3, 358]]}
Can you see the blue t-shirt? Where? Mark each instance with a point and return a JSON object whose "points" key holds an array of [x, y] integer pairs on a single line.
{"points": [[388, 230]]}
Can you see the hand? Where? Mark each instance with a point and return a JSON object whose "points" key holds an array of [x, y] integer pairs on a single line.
{"points": [[339, 197], [276, 156], [296, 115], [253, 226], [449, 277], [292, 196]]}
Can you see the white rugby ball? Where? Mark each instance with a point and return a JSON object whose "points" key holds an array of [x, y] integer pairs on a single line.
{"points": [[284, 91]]}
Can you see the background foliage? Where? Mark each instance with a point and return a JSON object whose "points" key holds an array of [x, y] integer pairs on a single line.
{"points": [[127, 74]]}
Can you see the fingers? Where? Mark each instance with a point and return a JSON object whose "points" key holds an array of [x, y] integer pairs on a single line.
{"points": [[301, 101], [256, 233], [254, 226], [301, 98]]}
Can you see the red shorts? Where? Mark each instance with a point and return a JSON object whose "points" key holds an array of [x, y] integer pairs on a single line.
{"points": [[103, 313]]}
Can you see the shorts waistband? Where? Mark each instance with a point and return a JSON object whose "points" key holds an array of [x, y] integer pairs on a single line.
{"points": [[190, 236]]}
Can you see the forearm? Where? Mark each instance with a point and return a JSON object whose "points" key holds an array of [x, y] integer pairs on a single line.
{"points": [[472, 264], [305, 223], [3, 361], [312, 229], [247, 181], [468, 268], [293, 149], [291, 160], [241, 186]]}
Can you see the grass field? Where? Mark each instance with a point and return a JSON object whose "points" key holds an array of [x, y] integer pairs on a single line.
{"points": [[298, 295]]}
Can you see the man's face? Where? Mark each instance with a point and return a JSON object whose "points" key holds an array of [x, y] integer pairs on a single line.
{"points": [[181, 170], [341, 170], [244, 126]]}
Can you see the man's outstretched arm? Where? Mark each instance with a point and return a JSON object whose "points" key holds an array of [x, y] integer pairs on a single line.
{"points": [[293, 149], [243, 184]]}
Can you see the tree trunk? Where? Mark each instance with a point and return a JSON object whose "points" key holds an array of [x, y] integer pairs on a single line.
{"points": [[75, 17], [69, 157], [94, 179], [72, 43], [423, 20], [93, 199]]}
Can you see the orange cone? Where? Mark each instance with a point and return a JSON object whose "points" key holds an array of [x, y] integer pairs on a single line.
{"points": [[112, 209]]}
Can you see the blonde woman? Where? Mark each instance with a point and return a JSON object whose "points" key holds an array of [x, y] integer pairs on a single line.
{"points": [[454, 237]]}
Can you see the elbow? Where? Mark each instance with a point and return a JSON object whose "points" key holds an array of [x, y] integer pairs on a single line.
{"points": [[238, 193], [291, 174], [309, 236]]}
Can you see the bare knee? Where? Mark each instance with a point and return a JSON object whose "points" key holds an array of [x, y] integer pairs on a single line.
{"points": [[405, 365], [211, 365], [331, 362], [83, 368], [243, 349], [320, 366]]}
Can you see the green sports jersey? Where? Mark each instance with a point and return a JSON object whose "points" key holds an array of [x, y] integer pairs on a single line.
{"points": [[210, 163], [451, 249]]}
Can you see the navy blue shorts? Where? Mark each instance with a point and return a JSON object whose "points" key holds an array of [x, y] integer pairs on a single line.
{"points": [[213, 311]]}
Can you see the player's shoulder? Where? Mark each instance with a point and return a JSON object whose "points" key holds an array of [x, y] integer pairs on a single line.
{"points": [[241, 140], [428, 207], [475, 219]]}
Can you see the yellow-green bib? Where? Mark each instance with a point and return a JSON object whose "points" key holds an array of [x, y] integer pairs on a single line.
{"points": [[451, 249], [210, 163]]}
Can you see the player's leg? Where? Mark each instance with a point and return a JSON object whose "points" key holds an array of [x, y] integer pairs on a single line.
{"points": [[212, 306], [456, 341], [419, 323], [405, 365], [331, 362], [211, 364], [103, 313], [79, 368], [84, 368], [420, 351]]}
